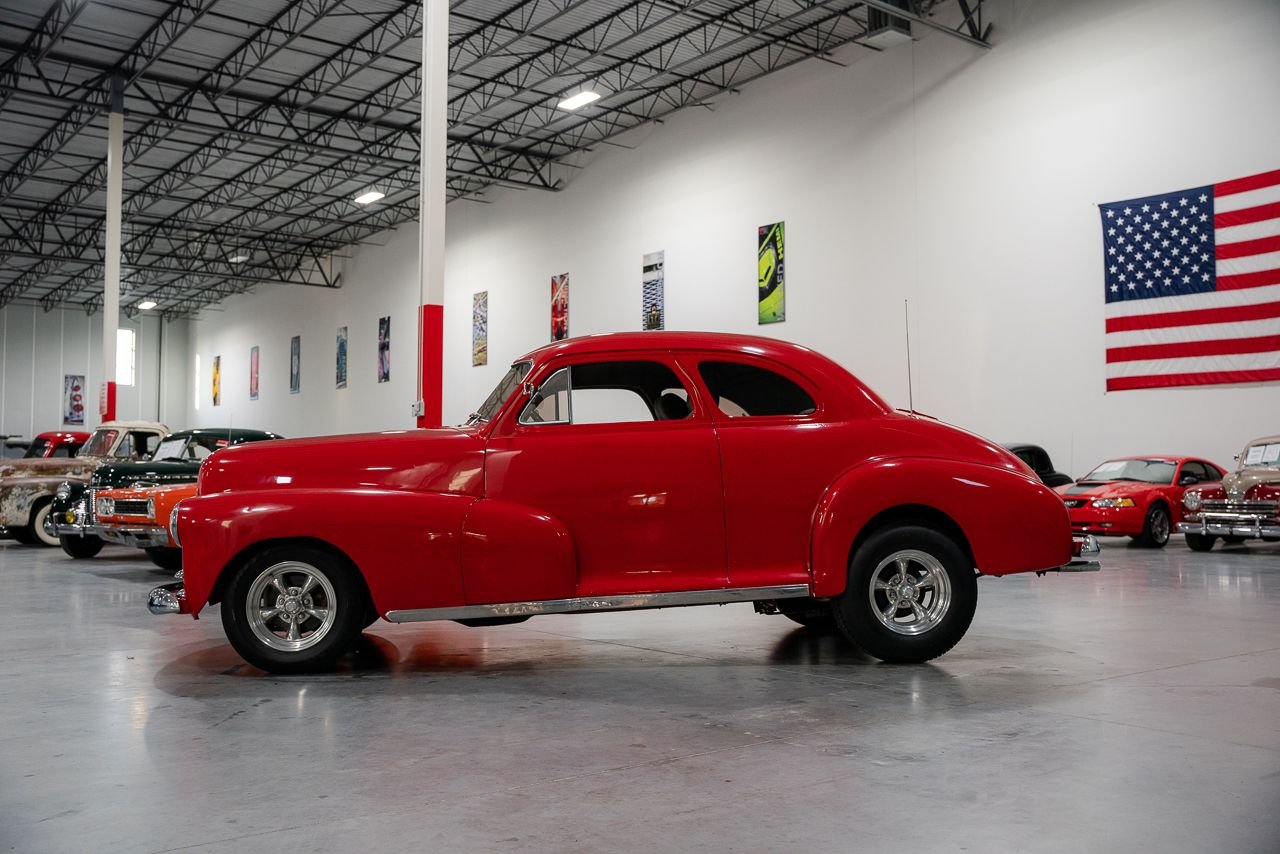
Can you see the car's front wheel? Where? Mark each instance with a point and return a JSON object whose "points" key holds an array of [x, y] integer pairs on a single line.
{"points": [[81, 547], [911, 595], [1200, 542], [294, 609], [1155, 528], [39, 535]]}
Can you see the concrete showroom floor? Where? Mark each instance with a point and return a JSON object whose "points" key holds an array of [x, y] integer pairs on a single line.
{"points": [[1133, 709]]}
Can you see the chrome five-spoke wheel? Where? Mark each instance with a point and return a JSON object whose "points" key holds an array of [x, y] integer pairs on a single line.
{"points": [[909, 591], [290, 606]]}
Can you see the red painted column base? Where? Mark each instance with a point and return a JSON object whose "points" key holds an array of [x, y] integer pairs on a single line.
{"points": [[432, 366]]}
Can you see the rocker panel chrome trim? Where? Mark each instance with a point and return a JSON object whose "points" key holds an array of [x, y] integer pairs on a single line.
{"points": [[588, 604]]}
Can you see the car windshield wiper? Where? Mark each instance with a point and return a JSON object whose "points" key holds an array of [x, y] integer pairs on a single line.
{"points": [[170, 460]]}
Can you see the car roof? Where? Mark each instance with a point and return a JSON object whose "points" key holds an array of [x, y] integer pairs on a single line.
{"points": [[1264, 440], [65, 435], [232, 433], [800, 358], [131, 425]]}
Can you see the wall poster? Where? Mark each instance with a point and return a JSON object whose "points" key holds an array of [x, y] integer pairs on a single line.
{"points": [[253, 373], [217, 380], [653, 302], [384, 349], [295, 364], [560, 307], [772, 294], [340, 372], [73, 399], [480, 329]]}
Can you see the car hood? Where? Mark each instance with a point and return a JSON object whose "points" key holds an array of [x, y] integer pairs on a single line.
{"points": [[111, 475], [1251, 483], [448, 459], [1117, 489], [73, 468]]}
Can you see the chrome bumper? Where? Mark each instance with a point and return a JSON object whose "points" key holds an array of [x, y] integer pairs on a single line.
{"points": [[1086, 555], [138, 538], [1234, 525], [168, 599]]}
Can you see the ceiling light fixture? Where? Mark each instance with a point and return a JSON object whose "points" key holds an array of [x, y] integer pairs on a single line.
{"points": [[238, 259], [147, 305], [581, 99], [371, 196]]}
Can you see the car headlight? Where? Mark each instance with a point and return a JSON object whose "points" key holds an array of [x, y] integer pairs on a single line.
{"points": [[1110, 503], [173, 525], [151, 508], [64, 491], [105, 507], [1191, 501]]}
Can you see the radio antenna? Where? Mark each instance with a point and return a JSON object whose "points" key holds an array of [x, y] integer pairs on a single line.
{"points": [[906, 319]]}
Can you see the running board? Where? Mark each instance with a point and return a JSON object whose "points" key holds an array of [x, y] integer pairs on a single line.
{"points": [[588, 604]]}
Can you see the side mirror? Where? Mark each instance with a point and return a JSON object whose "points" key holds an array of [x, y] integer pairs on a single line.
{"points": [[527, 388], [1188, 480]]}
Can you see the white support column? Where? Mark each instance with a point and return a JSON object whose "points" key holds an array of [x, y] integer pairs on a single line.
{"points": [[111, 257], [433, 133]]}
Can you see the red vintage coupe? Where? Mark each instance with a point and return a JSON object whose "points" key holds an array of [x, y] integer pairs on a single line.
{"points": [[616, 472], [1138, 497]]}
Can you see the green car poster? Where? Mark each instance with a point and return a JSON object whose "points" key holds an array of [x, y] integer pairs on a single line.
{"points": [[772, 295]]}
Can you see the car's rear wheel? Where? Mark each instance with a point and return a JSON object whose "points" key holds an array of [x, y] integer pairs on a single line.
{"points": [[1200, 542], [39, 534], [809, 613], [911, 595], [166, 558], [81, 547], [294, 609], [1156, 527]]}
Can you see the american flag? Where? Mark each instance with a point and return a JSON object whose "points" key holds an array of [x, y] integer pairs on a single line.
{"points": [[1193, 285]]}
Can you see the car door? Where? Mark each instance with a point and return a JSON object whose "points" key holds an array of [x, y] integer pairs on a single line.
{"points": [[619, 451], [778, 456]]}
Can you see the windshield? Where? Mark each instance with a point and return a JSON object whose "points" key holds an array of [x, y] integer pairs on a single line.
{"points": [[36, 449], [99, 444], [1143, 471], [500, 395], [171, 449], [1261, 454]]}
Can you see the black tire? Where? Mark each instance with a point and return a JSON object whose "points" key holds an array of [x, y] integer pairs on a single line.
{"points": [[81, 547], [341, 596], [166, 558], [23, 535], [1156, 527], [1200, 542], [948, 599], [40, 537], [809, 613]]}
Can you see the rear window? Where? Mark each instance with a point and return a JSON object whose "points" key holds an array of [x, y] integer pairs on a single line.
{"points": [[742, 390]]}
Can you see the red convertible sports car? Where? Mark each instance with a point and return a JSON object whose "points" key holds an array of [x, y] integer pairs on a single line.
{"points": [[1139, 497], [616, 472]]}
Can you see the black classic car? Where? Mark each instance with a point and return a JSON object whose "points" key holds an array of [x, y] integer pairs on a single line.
{"points": [[1038, 458], [176, 460]]}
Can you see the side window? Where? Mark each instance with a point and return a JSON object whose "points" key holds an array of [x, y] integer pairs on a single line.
{"points": [[1211, 473], [64, 451], [1205, 473], [609, 393], [747, 390], [125, 450]]}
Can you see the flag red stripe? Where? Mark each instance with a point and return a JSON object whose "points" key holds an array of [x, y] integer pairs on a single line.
{"points": [[1183, 349], [1240, 281], [1244, 216], [1243, 248], [1205, 378], [1197, 317], [1243, 185]]}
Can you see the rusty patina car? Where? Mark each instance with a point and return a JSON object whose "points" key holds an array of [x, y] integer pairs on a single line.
{"points": [[1245, 505], [27, 487]]}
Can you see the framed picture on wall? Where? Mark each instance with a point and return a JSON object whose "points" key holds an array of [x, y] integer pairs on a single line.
{"points": [[340, 371], [771, 297], [480, 329], [653, 307], [560, 307], [384, 349], [73, 399], [295, 364], [217, 380], [253, 373]]}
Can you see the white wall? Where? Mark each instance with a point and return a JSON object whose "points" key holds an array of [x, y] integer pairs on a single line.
{"points": [[964, 180], [37, 348]]}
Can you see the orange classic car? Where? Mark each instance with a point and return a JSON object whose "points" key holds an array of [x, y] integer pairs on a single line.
{"points": [[139, 517]]}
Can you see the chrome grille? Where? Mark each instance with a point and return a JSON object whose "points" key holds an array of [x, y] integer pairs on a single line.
{"points": [[90, 508], [1265, 507], [130, 507]]}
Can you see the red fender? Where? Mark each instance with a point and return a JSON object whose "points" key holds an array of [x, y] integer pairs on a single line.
{"points": [[514, 553], [1012, 522]]}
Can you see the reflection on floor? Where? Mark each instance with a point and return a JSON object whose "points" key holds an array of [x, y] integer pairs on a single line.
{"points": [[1133, 709]]}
